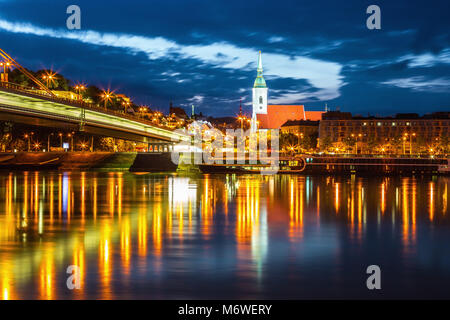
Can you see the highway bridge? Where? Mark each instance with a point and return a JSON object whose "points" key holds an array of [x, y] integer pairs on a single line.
{"points": [[25, 105]]}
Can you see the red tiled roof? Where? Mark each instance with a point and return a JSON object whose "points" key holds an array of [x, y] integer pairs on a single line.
{"points": [[314, 115], [279, 114]]}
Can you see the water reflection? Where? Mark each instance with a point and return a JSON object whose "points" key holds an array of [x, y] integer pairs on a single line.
{"points": [[127, 232]]}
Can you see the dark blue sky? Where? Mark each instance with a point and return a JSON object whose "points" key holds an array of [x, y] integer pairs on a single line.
{"points": [[205, 52]]}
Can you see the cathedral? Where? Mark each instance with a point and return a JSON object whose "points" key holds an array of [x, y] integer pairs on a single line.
{"points": [[265, 116]]}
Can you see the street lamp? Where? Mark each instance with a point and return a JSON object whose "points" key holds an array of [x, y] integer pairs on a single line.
{"points": [[36, 146], [299, 135], [70, 135], [6, 66], [83, 145], [410, 142], [60, 139], [49, 77], [404, 140], [242, 119], [28, 136], [48, 141], [126, 104], [106, 96], [79, 88]]}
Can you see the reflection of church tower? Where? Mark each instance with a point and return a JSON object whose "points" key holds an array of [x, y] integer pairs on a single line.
{"points": [[259, 95]]}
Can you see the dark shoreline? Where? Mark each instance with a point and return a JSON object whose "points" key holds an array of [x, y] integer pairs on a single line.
{"points": [[161, 162]]}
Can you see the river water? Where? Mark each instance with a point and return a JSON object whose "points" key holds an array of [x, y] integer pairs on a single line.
{"points": [[166, 236]]}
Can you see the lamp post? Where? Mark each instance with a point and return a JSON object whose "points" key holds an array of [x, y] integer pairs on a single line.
{"points": [[356, 143], [49, 77], [79, 88], [6, 66], [299, 136], [60, 139], [70, 135], [410, 142], [241, 119], [48, 142], [125, 104], [106, 96], [27, 136], [404, 141]]}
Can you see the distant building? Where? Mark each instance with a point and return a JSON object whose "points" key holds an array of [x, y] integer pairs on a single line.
{"points": [[265, 116], [178, 112], [412, 131], [301, 127]]}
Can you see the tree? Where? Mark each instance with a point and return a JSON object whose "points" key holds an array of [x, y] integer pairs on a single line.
{"points": [[287, 139], [107, 144], [372, 143], [349, 142], [124, 145], [309, 141], [325, 143], [58, 82], [16, 76], [92, 93], [19, 145], [396, 142], [443, 144]]}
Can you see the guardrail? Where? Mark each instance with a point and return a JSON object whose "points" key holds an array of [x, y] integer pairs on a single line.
{"points": [[32, 92]]}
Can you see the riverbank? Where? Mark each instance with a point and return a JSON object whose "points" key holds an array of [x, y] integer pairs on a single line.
{"points": [[162, 162], [86, 161]]}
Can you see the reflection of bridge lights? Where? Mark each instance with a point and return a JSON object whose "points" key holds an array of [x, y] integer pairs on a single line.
{"points": [[180, 191]]}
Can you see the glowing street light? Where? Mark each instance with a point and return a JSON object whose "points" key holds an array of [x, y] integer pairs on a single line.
{"points": [[126, 104], [28, 137], [6, 66], [49, 77], [142, 110], [83, 145], [70, 135], [79, 88], [107, 97], [36, 146]]}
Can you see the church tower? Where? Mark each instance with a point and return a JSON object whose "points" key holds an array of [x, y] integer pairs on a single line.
{"points": [[259, 95]]}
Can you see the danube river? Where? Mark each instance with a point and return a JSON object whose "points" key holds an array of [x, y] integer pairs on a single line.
{"points": [[159, 236]]}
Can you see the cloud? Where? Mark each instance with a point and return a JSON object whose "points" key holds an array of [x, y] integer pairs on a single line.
{"points": [[421, 84], [196, 99], [323, 75], [275, 39], [427, 59]]}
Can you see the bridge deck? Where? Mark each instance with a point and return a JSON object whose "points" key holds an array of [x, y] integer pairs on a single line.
{"points": [[17, 99]]}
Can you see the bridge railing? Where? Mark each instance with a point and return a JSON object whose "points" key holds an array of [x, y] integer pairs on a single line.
{"points": [[17, 88]]}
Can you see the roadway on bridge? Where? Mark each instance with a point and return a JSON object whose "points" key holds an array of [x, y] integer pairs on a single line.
{"points": [[95, 121]]}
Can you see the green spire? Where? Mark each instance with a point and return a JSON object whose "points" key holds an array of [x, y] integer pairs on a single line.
{"points": [[259, 81]]}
